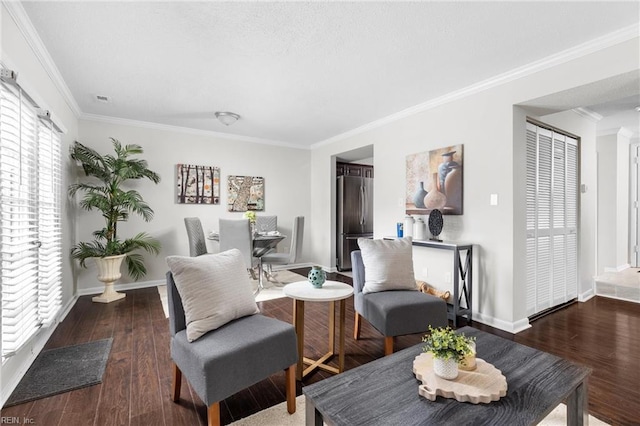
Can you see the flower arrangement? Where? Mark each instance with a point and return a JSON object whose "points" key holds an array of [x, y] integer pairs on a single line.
{"points": [[444, 343], [251, 215]]}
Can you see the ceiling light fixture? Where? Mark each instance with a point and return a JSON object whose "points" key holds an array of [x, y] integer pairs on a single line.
{"points": [[227, 118], [638, 108]]}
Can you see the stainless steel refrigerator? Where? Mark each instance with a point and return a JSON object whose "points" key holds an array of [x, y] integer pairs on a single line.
{"points": [[354, 216]]}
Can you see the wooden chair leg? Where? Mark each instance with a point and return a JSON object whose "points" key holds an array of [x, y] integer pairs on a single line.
{"points": [[356, 326], [388, 345], [290, 388], [213, 414], [177, 383]]}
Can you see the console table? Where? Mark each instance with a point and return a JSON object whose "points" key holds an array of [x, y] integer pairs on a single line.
{"points": [[462, 277]]}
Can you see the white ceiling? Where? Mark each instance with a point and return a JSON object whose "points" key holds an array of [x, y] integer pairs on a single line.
{"points": [[299, 73]]}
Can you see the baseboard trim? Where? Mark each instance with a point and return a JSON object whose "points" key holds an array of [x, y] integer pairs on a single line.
{"points": [[618, 268], [155, 283], [511, 327], [619, 298], [589, 294], [293, 266], [121, 287]]}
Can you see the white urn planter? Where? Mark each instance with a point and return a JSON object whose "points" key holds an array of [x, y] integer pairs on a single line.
{"points": [[109, 273], [445, 368]]}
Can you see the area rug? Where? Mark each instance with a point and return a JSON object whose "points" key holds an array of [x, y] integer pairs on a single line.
{"points": [[278, 416], [62, 370], [269, 293]]}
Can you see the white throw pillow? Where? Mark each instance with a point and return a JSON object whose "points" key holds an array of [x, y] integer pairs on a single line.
{"points": [[215, 289], [388, 264]]}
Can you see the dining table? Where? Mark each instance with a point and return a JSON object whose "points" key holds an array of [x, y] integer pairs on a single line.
{"points": [[263, 243]]}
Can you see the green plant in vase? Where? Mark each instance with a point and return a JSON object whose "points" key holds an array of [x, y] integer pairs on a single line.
{"points": [[448, 349], [251, 215], [104, 190]]}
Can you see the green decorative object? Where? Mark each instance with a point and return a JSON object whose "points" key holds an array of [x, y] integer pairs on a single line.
{"points": [[317, 276], [448, 349], [445, 343]]}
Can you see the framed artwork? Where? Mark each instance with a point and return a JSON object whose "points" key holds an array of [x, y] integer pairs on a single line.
{"points": [[198, 184], [245, 193], [434, 181]]}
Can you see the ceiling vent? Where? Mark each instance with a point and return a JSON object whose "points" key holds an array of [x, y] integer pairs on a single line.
{"points": [[103, 99]]}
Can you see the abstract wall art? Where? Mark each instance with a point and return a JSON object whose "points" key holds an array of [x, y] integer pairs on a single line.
{"points": [[434, 181], [245, 193], [198, 184]]}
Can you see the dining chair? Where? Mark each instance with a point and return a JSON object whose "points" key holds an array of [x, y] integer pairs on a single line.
{"points": [[266, 223], [236, 233], [197, 242], [295, 250]]}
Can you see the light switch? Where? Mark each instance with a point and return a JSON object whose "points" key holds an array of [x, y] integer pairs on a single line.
{"points": [[494, 200]]}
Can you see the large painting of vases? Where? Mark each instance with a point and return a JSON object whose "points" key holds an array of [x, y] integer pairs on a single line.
{"points": [[434, 181]]}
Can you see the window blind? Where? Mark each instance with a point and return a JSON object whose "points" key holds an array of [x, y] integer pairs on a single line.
{"points": [[30, 226]]}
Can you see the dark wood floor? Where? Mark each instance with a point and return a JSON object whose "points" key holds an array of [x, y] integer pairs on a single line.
{"points": [[601, 333]]}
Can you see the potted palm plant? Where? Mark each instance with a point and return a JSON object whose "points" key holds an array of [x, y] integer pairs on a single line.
{"points": [[104, 191]]}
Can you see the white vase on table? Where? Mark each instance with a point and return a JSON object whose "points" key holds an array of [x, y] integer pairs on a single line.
{"points": [[445, 368]]}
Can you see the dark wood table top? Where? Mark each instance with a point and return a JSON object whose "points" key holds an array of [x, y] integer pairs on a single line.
{"points": [[385, 391]]}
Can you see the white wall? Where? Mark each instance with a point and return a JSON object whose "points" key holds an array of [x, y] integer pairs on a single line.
{"points": [[634, 199], [613, 203], [607, 148], [16, 54], [622, 198], [285, 171], [585, 128], [492, 132]]}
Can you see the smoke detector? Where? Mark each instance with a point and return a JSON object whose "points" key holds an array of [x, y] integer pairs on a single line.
{"points": [[103, 99]]}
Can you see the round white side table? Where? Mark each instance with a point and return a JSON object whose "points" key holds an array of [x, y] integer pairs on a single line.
{"points": [[331, 291]]}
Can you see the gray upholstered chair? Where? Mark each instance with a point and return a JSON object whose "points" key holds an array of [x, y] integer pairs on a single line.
{"points": [[230, 358], [236, 233], [295, 249], [394, 312], [265, 223], [197, 242]]}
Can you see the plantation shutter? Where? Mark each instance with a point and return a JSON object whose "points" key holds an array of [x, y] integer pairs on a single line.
{"points": [[30, 203], [49, 226], [551, 218]]}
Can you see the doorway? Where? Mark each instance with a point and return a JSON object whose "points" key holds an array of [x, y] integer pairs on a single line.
{"points": [[352, 207]]}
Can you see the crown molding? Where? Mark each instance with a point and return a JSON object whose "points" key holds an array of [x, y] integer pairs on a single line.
{"points": [[611, 39], [188, 130], [30, 34], [618, 131], [20, 17], [588, 114], [624, 132]]}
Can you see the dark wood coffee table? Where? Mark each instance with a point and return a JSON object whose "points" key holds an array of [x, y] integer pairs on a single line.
{"points": [[385, 391]]}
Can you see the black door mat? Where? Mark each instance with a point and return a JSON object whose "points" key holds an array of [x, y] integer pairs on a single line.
{"points": [[62, 370]]}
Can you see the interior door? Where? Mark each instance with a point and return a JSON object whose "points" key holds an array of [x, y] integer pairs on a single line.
{"points": [[551, 218]]}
